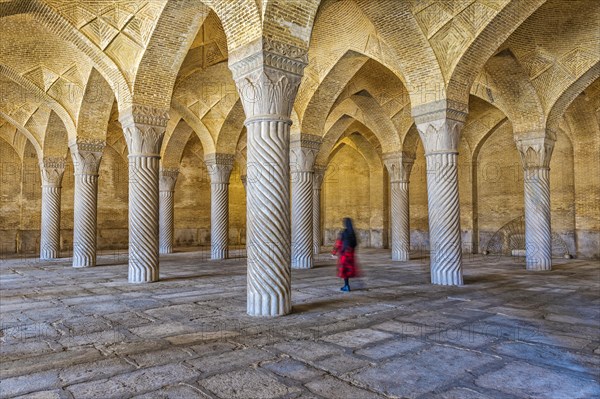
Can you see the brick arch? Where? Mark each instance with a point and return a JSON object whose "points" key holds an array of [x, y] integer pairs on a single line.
{"points": [[196, 124], [463, 70], [289, 22], [56, 139], [26, 133], [57, 24], [231, 130], [570, 94], [175, 144], [171, 39], [345, 125], [42, 97], [96, 107]]}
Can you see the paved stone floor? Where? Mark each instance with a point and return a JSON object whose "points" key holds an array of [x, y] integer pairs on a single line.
{"points": [[508, 333]]}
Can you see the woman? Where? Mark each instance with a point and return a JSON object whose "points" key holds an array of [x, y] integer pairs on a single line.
{"points": [[344, 248]]}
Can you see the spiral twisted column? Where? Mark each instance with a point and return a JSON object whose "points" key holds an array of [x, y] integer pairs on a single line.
{"points": [[399, 166], [267, 76], [535, 154], [167, 179], [219, 169], [86, 154], [144, 129], [318, 175], [52, 171], [303, 152], [441, 138]]}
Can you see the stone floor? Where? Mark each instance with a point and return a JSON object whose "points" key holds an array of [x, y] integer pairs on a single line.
{"points": [[508, 333]]}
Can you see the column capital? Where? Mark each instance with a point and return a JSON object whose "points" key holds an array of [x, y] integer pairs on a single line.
{"points": [[167, 179], [267, 74], [144, 129], [440, 135], [398, 165], [440, 110], [86, 154], [219, 166], [318, 176], [535, 150], [303, 152], [52, 170]]}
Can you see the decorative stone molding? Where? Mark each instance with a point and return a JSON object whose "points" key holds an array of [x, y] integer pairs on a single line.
{"points": [[535, 152], [440, 135], [440, 110], [303, 152], [167, 179], [144, 129], [219, 167], [52, 170], [399, 166], [87, 154]]}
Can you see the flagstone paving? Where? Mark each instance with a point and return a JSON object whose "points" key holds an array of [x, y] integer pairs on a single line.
{"points": [[508, 333]]}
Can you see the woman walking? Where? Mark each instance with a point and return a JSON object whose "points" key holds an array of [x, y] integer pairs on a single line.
{"points": [[344, 248]]}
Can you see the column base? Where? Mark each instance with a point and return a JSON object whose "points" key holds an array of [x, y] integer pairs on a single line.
{"points": [[443, 277], [219, 254], [538, 264], [140, 275], [80, 264], [267, 306], [304, 262], [400, 256], [165, 250]]}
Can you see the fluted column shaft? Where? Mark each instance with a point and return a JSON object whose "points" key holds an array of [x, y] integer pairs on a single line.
{"points": [[52, 170], [440, 138], [219, 169], [144, 129], [166, 228], [399, 167], [267, 75], [318, 174], [536, 153], [302, 157], [86, 154]]}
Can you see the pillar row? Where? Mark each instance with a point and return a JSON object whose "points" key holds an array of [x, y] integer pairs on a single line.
{"points": [[303, 152], [52, 170], [144, 129], [318, 175], [219, 169], [440, 134], [86, 154], [267, 75], [399, 166], [166, 192], [536, 153]]}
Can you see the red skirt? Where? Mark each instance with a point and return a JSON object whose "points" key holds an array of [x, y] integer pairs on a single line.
{"points": [[347, 267]]}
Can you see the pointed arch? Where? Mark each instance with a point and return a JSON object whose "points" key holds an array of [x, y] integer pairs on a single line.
{"points": [[96, 107]]}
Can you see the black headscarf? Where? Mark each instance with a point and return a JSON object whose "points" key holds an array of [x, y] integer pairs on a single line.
{"points": [[348, 236]]}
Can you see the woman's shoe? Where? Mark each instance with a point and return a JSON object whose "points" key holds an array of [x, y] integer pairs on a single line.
{"points": [[345, 288]]}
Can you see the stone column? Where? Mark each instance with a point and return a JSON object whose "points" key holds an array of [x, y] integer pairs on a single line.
{"points": [[52, 170], [267, 76], [166, 227], [86, 154], [399, 166], [219, 169], [440, 134], [144, 129], [318, 174], [303, 152], [535, 156]]}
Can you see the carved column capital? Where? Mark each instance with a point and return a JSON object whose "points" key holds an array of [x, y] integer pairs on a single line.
{"points": [[144, 129], [167, 179], [267, 74], [52, 170], [219, 167], [440, 110], [535, 152], [399, 166], [303, 152], [318, 176], [440, 136], [87, 154]]}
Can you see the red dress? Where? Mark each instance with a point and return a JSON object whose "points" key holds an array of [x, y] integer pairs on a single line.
{"points": [[347, 267]]}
